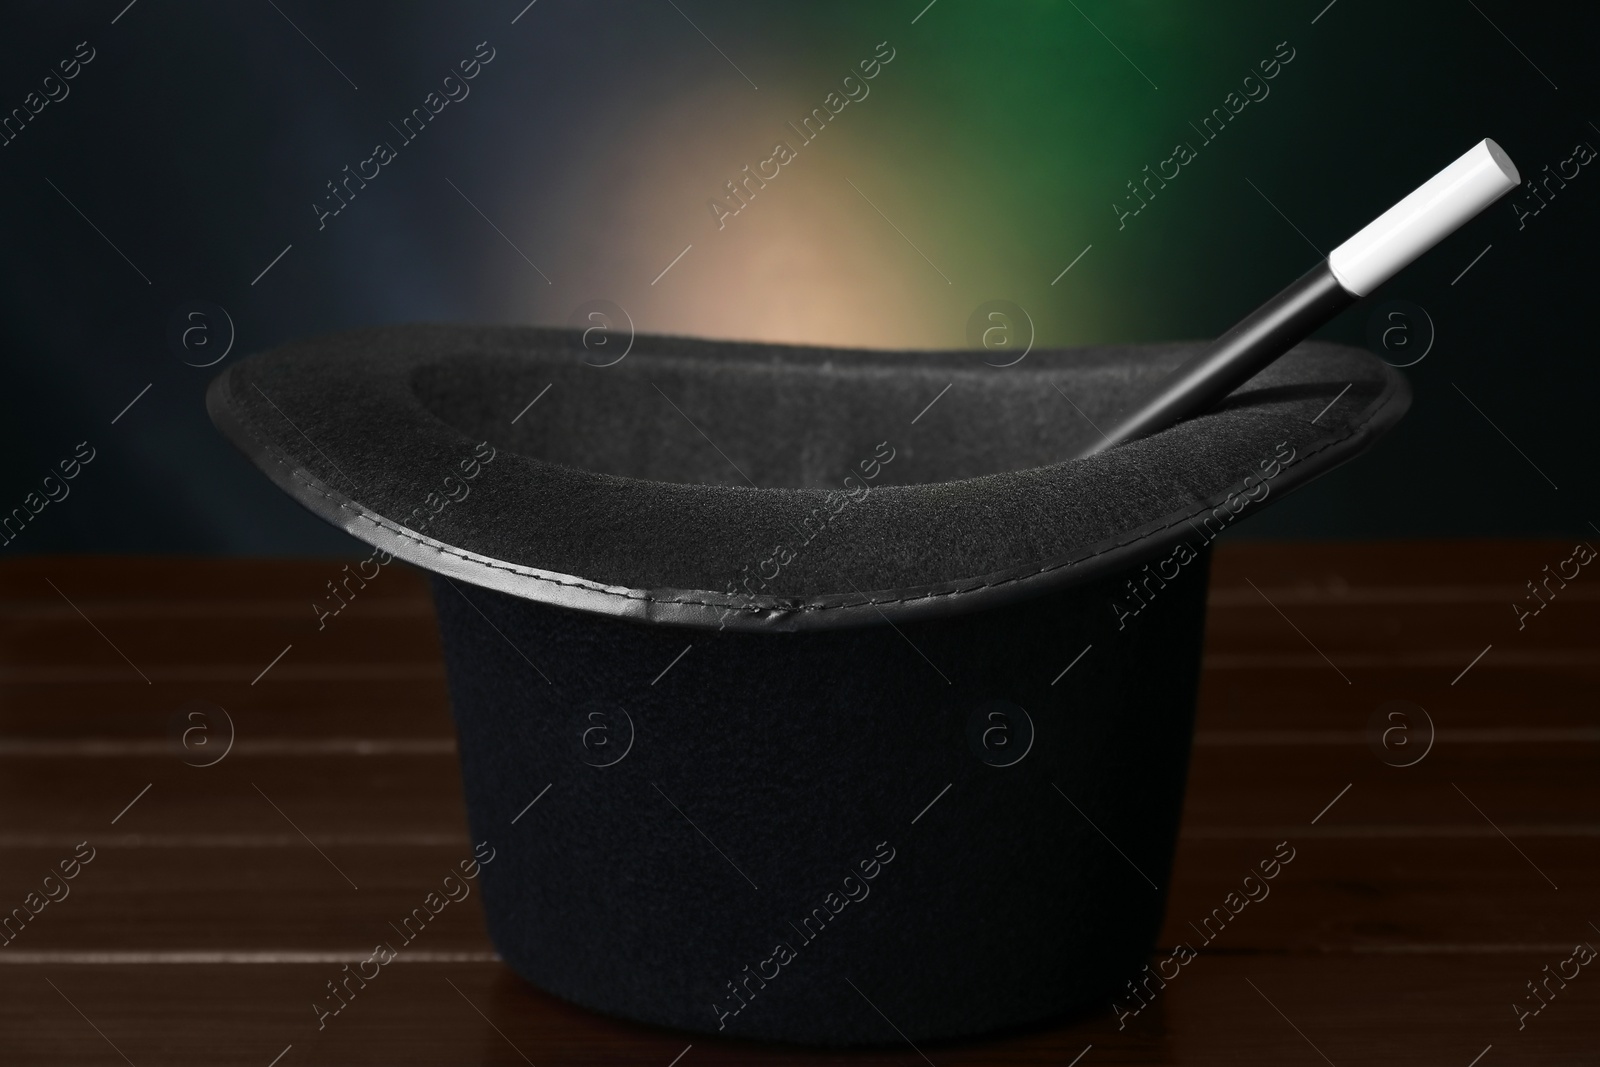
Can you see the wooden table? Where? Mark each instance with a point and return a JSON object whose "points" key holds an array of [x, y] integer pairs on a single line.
{"points": [[1421, 901]]}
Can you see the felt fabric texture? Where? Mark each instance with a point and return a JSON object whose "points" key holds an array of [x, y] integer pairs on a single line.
{"points": [[703, 483], [761, 770]]}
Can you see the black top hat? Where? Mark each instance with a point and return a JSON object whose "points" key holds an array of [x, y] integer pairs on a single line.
{"points": [[893, 582]]}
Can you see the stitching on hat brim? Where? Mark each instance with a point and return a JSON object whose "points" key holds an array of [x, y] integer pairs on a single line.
{"points": [[735, 611]]}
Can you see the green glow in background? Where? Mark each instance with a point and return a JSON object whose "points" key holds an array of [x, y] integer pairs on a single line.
{"points": [[1001, 135], [986, 158], [996, 143]]}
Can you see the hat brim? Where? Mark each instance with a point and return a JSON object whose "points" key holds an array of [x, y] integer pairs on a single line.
{"points": [[704, 483]]}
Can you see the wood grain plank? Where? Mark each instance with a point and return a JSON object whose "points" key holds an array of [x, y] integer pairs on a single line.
{"points": [[340, 790], [1221, 1009], [1419, 902], [1340, 893]]}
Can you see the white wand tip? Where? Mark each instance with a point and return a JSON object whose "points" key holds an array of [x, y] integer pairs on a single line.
{"points": [[1433, 211]]}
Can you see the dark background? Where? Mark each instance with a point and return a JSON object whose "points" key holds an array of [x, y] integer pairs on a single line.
{"points": [[200, 134]]}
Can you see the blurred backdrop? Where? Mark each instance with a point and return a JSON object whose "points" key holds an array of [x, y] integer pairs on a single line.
{"points": [[178, 175]]}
